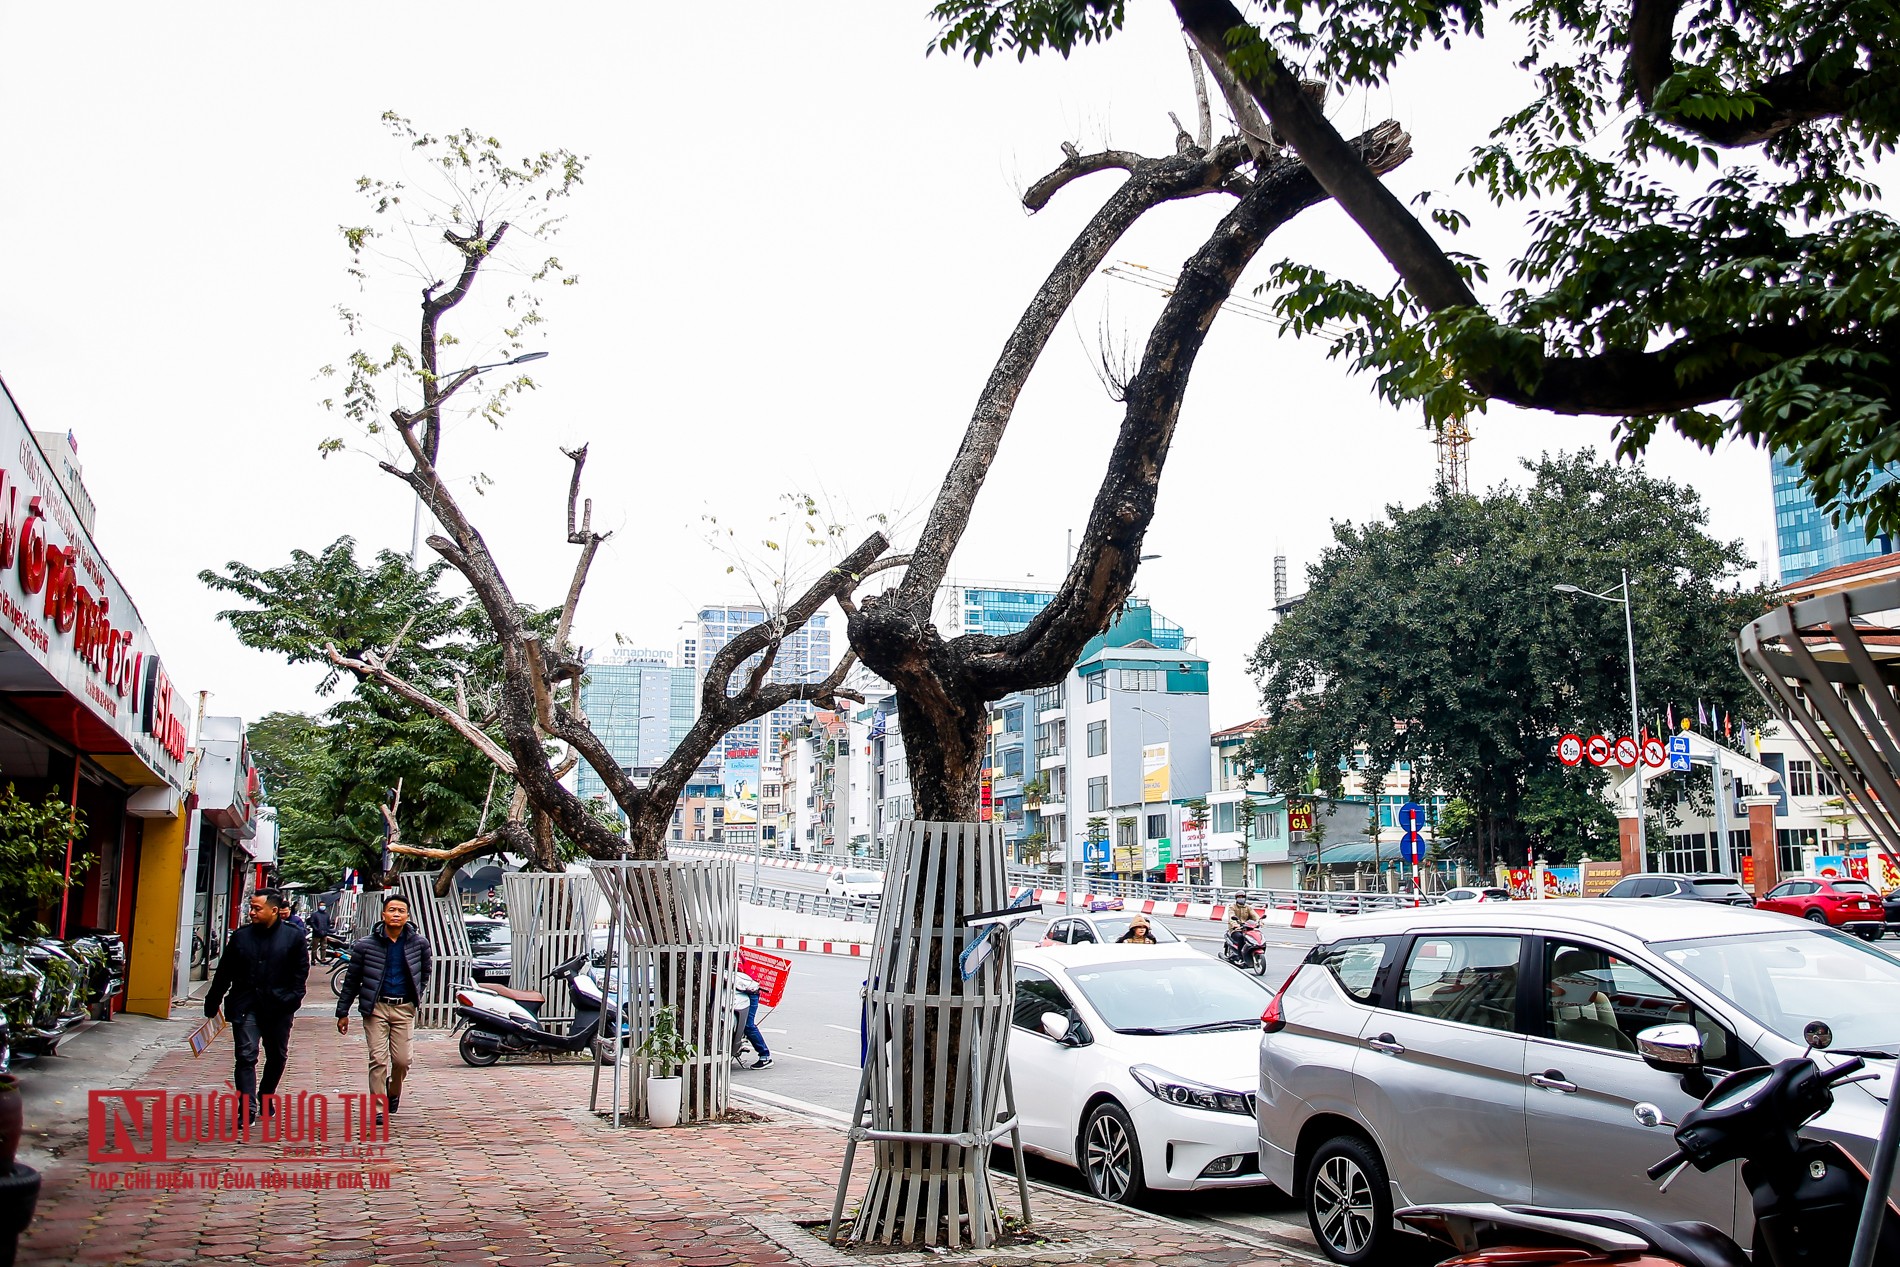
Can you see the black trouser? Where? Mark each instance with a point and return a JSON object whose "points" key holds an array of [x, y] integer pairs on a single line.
{"points": [[272, 1029]]}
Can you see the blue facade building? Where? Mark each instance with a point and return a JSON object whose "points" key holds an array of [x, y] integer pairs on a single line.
{"points": [[639, 706], [1805, 542]]}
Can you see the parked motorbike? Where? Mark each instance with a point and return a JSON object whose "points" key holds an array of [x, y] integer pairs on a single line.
{"points": [[503, 1022], [1250, 955], [1808, 1194]]}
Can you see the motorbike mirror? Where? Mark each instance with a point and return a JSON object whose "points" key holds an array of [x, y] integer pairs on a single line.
{"points": [[1818, 1035], [1671, 1048], [1055, 1025], [1649, 1115]]}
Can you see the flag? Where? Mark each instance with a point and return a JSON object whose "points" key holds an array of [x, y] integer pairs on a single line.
{"points": [[1727, 732], [1672, 719], [1701, 715]]}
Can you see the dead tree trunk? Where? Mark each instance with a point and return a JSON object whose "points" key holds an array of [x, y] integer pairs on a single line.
{"points": [[943, 688]]}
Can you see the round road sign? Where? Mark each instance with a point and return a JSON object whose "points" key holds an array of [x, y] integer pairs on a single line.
{"points": [[1596, 750], [1570, 749], [1655, 753], [1626, 752]]}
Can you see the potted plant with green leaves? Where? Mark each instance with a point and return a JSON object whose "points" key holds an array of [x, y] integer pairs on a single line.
{"points": [[665, 1049]]}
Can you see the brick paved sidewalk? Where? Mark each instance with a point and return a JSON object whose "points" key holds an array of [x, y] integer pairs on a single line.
{"points": [[506, 1165]]}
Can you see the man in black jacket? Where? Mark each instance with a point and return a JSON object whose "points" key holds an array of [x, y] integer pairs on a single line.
{"points": [[260, 980], [388, 974]]}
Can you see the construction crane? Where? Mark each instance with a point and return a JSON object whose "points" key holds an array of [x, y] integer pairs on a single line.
{"points": [[1452, 438]]}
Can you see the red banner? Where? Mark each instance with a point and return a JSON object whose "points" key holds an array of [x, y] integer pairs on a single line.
{"points": [[770, 971]]}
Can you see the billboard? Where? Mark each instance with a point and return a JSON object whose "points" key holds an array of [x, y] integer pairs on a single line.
{"points": [[1155, 775], [741, 779]]}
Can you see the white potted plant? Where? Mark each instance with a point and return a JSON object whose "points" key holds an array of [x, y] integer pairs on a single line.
{"points": [[664, 1049]]}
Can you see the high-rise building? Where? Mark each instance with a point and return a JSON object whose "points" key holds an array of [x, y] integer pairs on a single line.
{"points": [[639, 706], [804, 656], [1805, 542]]}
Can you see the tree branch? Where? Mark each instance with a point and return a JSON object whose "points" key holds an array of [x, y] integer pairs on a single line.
{"points": [[475, 250], [1151, 181], [371, 668], [586, 538], [1335, 164]]}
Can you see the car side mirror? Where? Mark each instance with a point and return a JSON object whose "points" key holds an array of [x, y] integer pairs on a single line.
{"points": [[1058, 1027], [1671, 1048]]}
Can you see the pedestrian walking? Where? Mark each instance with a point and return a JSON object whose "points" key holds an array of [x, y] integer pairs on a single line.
{"points": [[260, 983], [320, 933], [388, 973]]}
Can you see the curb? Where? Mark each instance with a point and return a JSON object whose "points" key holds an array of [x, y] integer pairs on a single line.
{"points": [[809, 946]]}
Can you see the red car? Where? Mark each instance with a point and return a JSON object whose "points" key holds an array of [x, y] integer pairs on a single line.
{"points": [[1850, 904]]}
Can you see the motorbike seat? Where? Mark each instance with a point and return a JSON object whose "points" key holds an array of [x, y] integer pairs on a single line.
{"points": [[1691, 1244], [519, 996]]}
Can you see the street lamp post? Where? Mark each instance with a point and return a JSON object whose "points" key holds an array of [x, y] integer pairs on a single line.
{"points": [[1636, 725], [456, 380], [1167, 728]]}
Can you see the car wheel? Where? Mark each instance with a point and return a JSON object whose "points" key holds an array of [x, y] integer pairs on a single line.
{"points": [[1111, 1156], [1349, 1201], [1813, 915], [479, 1057], [1869, 934]]}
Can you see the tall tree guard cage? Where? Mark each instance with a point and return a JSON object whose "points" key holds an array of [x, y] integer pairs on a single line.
{"points": [[673, 941], [550, 920], [937, 987]]}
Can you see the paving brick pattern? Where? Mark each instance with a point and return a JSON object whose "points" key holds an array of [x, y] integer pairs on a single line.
{"points": [[507, 1166]]}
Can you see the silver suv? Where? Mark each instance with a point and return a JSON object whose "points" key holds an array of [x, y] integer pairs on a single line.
{"points": [[1487, 1053]]}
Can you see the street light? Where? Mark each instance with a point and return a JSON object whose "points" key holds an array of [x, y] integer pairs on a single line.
{"points": [[1167, 728], [1636, 725], [456, 380]]}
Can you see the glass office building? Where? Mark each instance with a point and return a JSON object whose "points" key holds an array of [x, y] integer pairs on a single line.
{"points": [[1805, 542], [639, 706]]}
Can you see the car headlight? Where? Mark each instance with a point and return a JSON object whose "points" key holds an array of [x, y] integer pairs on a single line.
{"points": [[1190, 1094]]}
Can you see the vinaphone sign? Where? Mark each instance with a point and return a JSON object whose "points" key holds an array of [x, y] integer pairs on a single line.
{"points": [[70, 615]]}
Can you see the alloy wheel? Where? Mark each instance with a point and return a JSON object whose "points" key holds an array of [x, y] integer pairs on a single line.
{"points": [[1108, 1158], [1342, 1202]]}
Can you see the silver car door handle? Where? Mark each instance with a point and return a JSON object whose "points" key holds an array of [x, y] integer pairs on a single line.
{"points": [[1386, 1043], [1552, 1080]]}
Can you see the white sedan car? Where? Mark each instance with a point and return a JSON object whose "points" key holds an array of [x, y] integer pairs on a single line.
{"points": [[1136, 1065], [860, 886], [1478, 894]]}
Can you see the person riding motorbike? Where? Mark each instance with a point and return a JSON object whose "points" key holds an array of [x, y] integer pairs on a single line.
{"points": [[1239, 915]]}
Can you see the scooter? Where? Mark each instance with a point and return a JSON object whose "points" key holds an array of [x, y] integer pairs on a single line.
{"points": [[1808, 1194], [1251, 955], [504, 1022]]}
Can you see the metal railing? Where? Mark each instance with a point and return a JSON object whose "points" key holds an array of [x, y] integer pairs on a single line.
{"points": [[1338, 901], [805, 902]]}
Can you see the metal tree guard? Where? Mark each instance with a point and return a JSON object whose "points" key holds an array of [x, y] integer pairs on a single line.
{"points": [[1829, 667], [931, 1136], [550, 920], [439, 919], [678, 923]]}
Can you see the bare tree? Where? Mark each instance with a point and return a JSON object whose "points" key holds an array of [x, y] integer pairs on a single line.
{"points": [[534, 731], [944, 686]]}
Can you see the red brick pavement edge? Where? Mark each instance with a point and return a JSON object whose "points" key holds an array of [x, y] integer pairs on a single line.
{"points": [[507, 1166]]}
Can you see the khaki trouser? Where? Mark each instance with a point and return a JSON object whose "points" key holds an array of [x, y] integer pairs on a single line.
{"points": [[391, 1030]]}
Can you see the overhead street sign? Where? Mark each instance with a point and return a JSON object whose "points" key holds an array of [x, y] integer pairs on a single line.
{"points": [[1626, 752], [1597, 750], [1655, 756], [1570, 749]]}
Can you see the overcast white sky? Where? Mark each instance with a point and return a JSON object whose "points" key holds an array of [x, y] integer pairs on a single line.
{"points": [[800, 246]]}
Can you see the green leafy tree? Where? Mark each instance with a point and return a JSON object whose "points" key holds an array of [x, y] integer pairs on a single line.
{"points": [[1706, 246], [1435, 636], [33, 840]]}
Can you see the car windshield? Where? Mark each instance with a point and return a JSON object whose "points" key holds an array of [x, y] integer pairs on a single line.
{"points": [[487, 936], [1139, 998], [1110, 928], [860, 877], [1860, 887], [1786, 979]]}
